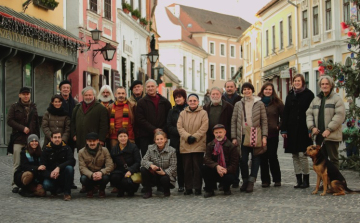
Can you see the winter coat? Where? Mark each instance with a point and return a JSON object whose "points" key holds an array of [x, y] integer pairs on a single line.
{"points": [[225, 119], [334, 115], [96, 120], [28, 163], [69, 105], [130, 154], [231, 155], [166, 160], [259, 119], [17, 120], [193, 123], [274, 114], [294, 121], [52, 158], [147, 120], [51, 123], [173, 133], [89, 164]]}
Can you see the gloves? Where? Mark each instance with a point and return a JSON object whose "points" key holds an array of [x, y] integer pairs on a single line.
{"points": [[191, 139]]}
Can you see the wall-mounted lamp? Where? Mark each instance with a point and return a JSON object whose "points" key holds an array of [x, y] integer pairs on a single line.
{"points": [[108, 51]]}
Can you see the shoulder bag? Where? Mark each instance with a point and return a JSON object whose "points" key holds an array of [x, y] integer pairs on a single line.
{"points": [[135, 177], [253, 136]]}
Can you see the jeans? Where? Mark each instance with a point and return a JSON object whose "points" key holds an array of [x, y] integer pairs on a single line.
{"points": [[64, 180], [255, 164], [89, 183], [351, 149], [269, 160], [211, 176]]}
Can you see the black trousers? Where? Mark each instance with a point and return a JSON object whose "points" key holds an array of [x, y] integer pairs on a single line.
{"points": [[89, 183], [211, 176], [269, 160], [192, 163], [123, 183], [180, 169], [143, 143], [149, 180]]}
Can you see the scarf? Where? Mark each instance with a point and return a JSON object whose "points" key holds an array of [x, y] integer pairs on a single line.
{"points": [[125, 117], [181, 107], [266, 100], [297, 91], [92, 151], [230, 100], [27, 108], [138, 98], [56, 147], [218, 151], [56, 111], [86, 107]]}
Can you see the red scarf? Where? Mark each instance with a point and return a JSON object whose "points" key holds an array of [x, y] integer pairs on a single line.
{"points": [[218, 151]]}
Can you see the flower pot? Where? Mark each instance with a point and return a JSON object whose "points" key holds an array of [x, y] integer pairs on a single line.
{"points": [[126, 11], [134, 17], [42, 5]]}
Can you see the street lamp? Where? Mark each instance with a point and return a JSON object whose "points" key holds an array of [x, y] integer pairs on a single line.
{"points": [[95, 34], [153, 57], [108, 51]]}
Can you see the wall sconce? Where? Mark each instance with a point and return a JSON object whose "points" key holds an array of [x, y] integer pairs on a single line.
{"points": [[108, 51]]}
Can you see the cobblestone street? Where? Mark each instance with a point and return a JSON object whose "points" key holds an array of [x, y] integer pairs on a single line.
{"points": [[284, 204]]}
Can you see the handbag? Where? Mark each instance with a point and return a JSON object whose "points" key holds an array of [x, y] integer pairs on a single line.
{"points": [[253, 136], [135, 177]]}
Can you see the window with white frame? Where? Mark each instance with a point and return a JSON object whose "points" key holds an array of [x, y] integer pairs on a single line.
{"points": [[222, 72], [290, 31], [241, 52], [273, 39], [328, 14], [193, 74], [93, 5], [346, 10], [212, 48], [305, 24], [222, 49], [267, 42], [184, 73], [281, 35], [212, 71], [232, 51], [316, 20], [107, 9], [232, 71], [249, 54]]}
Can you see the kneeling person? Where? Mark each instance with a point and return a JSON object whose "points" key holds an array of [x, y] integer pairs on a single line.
{"points": [[57, 163], [95, 165], [220, 162]]}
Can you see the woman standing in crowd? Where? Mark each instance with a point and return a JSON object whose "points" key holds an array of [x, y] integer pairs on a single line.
{"points": [[158, 166], [56, 119], [173, 116], [26, 176], [249, 111], [294, 129], [274, 109], [192, 125], [126, 157]]}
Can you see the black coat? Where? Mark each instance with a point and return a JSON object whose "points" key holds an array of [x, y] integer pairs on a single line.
{"points": [[131, 155], [52, 158], [146, 118], [294, 121], [225, 119], [27, 165], [173, 132]]}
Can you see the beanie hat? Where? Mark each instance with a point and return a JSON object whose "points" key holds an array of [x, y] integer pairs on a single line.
{"points": [[64, 82], [134, 83], [32, 137], [247, 85]]}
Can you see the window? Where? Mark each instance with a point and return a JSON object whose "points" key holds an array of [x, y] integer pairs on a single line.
{"points": [[184, 72], [317, 75], [281, 36], [93, 5], [249, 53], [316, 20], [267, 42], [193, 74], [241, 52], [28, 76], [201, 78], [232, 51], [139, 6], [232, 71], [306, 79], [346, 10], [212, 48], [212, 71], [305, 25], [290, 30], [328, 14], [222, 49], [273, 39], [132, 72], [107, 9], [222, 73]]}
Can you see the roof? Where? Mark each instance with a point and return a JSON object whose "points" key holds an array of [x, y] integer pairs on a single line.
{"points": [[38, 23], [266, 7], [212, 22]]}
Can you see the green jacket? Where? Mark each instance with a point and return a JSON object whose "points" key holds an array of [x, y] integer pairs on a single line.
{"points": [[351, 132]]}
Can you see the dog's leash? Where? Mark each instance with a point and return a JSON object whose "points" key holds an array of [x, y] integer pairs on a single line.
{"points": [[314, 140]]}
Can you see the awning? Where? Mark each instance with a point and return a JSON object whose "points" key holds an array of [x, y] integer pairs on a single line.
{"points": [[271, 73]]}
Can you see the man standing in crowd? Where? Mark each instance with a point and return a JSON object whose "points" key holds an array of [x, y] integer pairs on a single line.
{"points": [[106, 96], [95, 164], [137, 90], [230, 95], [89, 116], [324, 118], [23, 119], [220, 162], [219, 112], [57, 165], [69, 102], [121, 116], [151, 115]]}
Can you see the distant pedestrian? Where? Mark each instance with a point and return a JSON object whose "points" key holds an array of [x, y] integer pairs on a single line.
{"points": [[350, 132]]}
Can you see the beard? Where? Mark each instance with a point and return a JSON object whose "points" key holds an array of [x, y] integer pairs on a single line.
{"points": [[215, 101], [88, 101], [104, 99]]}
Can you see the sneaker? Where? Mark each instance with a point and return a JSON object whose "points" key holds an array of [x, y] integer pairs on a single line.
{"points": [[67, 197], [90, 194], [114, 190], [228, 192], [265, 184], [181, 189], [188, 192], [277, 184], [209, 194], [147, 195], [102, 194], [15, 190], [197, 192]]}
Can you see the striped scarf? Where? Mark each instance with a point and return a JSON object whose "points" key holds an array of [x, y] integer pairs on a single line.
{"points": [[125, 118]]}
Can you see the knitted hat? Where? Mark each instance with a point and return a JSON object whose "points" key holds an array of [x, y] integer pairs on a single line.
{"points": [[180, 92], [134, 83], [32, 137], [92, 135], [64, 82], [247, 85]]}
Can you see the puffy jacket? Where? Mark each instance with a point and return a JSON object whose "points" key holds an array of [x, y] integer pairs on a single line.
{"points": [[334, 115], [88, 164], [51, 123]]}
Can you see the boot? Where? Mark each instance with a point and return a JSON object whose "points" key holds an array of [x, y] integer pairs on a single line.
{"points": [[244, 185], [250, 187], [305, 183], [27, 177], [299, 181]]}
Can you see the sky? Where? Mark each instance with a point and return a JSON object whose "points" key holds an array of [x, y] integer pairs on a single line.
{"points": [[245, 9]]}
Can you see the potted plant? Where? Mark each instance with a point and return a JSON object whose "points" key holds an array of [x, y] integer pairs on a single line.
{"points": [[143, 21], [126, 7], [136, 14], [46, 4]]}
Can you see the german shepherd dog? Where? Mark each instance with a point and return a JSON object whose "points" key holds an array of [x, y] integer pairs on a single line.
{"points": [[328, 173]]}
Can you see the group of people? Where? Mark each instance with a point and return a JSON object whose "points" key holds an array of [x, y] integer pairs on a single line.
{"points": [[142, 139]]}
